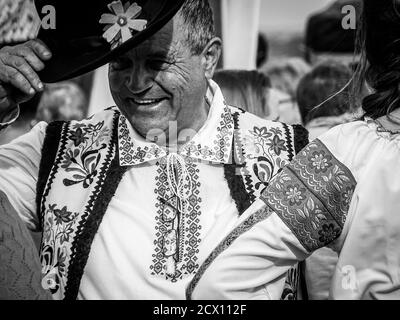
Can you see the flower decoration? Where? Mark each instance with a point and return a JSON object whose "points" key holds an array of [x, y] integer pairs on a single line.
{"points": [[320, 162], [277, 145], [328, 233], [121, 23], [79, 137], [295, 194], [51, 281], [63, 215], [261, 133]]}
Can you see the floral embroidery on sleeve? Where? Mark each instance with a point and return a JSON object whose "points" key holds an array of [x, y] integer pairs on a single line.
{"points": [[312, 196]]}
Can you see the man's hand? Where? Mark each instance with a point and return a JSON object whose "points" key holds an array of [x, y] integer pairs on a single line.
{"points": [[19, 65]]}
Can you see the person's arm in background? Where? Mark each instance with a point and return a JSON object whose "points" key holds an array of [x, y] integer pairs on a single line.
{"points": [[20, 276]]}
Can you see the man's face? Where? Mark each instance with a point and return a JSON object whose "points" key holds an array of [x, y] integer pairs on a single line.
{"points": [[160, 81]]}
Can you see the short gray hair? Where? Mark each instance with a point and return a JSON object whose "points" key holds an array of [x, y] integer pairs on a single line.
{"points": [[199, 21]]}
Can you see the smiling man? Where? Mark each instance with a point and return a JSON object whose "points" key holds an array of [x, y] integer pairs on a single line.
{"points": [[165, 79], [132, 200]]}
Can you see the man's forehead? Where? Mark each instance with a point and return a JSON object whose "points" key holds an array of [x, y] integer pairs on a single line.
{"points": [[164, 42]]}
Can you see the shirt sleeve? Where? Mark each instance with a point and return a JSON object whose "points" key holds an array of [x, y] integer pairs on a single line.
{"points": [[304, 208], [19, 169], [251, 262]]}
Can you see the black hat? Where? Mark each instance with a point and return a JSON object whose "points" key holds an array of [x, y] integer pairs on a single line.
{"points": [[90, 33], [325, 33]]}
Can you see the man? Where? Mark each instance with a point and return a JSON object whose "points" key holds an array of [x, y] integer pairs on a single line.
{"points": [[132, 199]]}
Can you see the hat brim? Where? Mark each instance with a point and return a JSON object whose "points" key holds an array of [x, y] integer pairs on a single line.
{"points": [[73, 63]]}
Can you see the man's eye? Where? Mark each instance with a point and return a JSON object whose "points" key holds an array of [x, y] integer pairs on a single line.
{"points": [[120, 64], [158, 64]]}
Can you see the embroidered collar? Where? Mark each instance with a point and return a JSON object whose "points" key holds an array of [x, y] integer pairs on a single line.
{"points": [[213, 142]]}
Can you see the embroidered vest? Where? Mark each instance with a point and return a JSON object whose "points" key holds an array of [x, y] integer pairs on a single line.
{"points": [[80, 172]]}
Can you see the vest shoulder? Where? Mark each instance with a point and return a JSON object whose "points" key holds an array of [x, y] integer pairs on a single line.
{"points": [[104, 115], [249, 119], [296, 135]]}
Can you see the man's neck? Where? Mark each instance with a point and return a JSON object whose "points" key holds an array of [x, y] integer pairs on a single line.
{"points": [[179, 135]]}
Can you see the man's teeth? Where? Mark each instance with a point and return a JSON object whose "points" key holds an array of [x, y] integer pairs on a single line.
{"points": [[148, 101]]}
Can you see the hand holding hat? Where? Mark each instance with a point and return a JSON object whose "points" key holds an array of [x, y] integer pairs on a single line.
{"points": [[18, 72]]}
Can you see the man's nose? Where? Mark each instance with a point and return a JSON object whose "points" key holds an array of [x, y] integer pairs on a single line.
{"points": [[139, 80]]}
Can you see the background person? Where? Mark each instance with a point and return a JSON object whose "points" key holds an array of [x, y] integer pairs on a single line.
{"points": [[285, 75], [62, 101], [249, 90], [324, 96]]}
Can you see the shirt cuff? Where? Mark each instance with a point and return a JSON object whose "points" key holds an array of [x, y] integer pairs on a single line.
{"points": [[9, 116]]}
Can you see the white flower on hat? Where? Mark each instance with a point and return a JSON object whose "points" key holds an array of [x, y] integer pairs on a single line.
{"points": [[122, 22]]}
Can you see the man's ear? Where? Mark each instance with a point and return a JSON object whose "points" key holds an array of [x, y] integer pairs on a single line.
{"points": [[211, 55]]}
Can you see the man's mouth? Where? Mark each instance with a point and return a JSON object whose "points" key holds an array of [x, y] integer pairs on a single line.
{"points": [[147, 102]]}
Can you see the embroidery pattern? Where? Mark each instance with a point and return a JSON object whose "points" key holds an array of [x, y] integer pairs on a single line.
{"points": [[312, 196], [268, 150], [57, 234], [382, 132], [291, 283], [82, 159], [232, 172], [238, 149], [177, 234], [106, 185], [290, 145], [220, 151], [68, 235], [129, 154], [58, 158], [245, 226]]}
